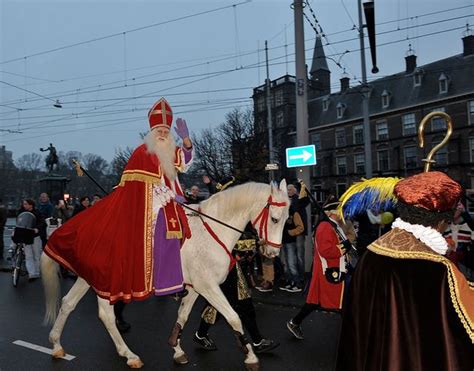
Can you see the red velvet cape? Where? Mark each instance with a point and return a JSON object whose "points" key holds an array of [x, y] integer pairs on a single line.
{"points": [[110, 243]]}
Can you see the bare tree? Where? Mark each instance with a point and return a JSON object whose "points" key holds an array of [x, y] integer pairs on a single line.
{"points": [[231, 149], [30, 162], [119, 162]]}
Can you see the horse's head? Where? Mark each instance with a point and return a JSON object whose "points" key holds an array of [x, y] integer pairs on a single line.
{"points": [[270, 221]]}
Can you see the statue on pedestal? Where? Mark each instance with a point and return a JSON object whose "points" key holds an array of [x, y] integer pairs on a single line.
{"points": [[52, 158]]}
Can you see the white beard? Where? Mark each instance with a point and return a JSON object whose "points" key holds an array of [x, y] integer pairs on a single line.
{"points": [[165, 151]]}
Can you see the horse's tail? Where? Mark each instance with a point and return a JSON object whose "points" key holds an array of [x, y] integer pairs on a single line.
{"points": [[50, 277]]}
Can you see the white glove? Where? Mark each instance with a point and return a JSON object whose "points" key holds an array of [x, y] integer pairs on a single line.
{"points": [[163, 194]]}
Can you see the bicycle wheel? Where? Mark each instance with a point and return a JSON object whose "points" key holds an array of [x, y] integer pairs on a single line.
{"points": [[18, 261]]}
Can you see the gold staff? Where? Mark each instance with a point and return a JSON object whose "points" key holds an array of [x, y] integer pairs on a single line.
{"points": [[421, 132]]}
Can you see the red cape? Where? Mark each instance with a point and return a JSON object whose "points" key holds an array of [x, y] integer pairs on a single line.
{"points": [[110, 244]]}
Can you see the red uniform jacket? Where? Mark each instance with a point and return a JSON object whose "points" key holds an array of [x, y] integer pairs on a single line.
{"points": [[327, 245]]}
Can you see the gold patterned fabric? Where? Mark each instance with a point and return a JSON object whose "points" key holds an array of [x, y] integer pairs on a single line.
{"points": [[400, 244]]}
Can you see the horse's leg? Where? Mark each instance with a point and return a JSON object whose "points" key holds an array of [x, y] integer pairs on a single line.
{"points": [[107, 315], [184, 310], [68, 304], [216, 298]]}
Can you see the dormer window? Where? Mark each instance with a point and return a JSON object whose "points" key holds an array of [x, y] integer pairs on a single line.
{"points": [[443, 83], [325, 104], [385, 99], [340, 108], [417, 75]]}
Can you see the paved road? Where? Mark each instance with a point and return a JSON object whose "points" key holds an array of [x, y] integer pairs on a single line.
{"points": [[85, 337]]}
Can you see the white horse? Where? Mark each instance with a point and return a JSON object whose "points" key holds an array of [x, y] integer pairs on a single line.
{"points": [[205, 261]]}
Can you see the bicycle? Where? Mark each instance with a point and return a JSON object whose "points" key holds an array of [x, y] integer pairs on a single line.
{"points": [[18, 259], [20, 237]]}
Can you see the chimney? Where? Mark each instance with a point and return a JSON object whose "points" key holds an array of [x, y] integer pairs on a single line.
{"points": [[344, 83], [468, 43], [410, 60]]}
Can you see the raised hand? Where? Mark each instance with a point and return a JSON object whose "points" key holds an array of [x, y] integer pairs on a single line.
{"points": [[181, 128]]}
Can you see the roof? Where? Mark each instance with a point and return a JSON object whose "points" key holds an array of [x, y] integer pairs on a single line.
{"points": [[403, 94], [319, 57]]}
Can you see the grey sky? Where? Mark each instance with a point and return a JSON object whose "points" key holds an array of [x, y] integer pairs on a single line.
{"points": [[188, 61]]}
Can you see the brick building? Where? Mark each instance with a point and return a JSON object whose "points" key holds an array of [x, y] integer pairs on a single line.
{"points": [[397, 104]]}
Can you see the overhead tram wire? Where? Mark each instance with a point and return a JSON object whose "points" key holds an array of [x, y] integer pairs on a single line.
{"points": [[233, 56], [107, 125], [388, 43], [383, 44], [127, 31]]}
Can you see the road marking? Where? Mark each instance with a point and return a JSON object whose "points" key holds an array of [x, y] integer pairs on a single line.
{"points": [[39, 348]]}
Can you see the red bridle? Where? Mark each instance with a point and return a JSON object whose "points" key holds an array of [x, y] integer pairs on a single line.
{"points": [[263, 218]]}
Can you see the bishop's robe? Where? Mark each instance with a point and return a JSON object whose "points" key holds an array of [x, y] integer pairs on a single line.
{"points": [[127, 245], [408, 308]]}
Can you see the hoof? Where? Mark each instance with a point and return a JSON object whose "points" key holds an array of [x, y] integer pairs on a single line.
{"points": [[135, 363], [181, 360], [60, 353], [252, 366]]}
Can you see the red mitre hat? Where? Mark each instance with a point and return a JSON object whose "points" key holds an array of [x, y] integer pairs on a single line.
{"points": [[433, 191], [160, 114]]}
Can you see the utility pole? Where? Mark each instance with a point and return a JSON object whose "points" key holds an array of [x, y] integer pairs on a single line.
{"points": [[269, 119], [302, 113], [301, 91], [365, 101]]}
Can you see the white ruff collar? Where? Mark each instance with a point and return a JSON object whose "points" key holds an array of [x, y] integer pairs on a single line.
{"points": [[430, 237]]}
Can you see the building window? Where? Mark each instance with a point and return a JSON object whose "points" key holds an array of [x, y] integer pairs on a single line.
{"points": [[316, 140], [280, 119], [438, 123], [340, 137], [261, 104], [385, 99], [471, 149], [278, 98], [417, 77], [470, 106], [340, 108], [341, 165], [409, 125], [325, 104], [382, 130], [340, 189], [411, 157], [441, 156], [359, 163], [358, 134], [443, 83], [383, 160]]}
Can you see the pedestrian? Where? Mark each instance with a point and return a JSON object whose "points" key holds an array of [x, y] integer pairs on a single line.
{"points": [[45, 209], [326, 289], [32, 250], [96, 198], [409, 307], [193, 197], [63, 211], [293, 228], [3, 221], [84, 203]]}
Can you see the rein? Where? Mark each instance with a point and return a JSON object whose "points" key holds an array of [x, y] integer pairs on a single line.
{"points": [[263, 218], [199, 212]]}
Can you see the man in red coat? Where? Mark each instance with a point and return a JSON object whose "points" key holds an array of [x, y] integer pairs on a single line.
{"points": [[127, 246], [329, 270]]}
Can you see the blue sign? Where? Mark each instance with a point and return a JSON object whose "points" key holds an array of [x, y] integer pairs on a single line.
{"points": [[301, 156]]}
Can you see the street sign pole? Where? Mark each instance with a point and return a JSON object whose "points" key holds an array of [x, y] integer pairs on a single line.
{"points": [[301, 84]]}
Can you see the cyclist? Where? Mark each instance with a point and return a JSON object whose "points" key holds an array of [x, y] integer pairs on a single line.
{"points": [[29, 220]]}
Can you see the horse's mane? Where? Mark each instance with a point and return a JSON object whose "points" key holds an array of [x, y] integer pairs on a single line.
{"points": [[233, 198]]}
